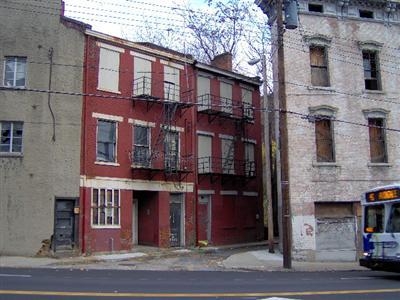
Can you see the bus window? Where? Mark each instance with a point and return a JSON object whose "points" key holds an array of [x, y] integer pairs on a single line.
{"points": [[394, 219], [374, 217]]}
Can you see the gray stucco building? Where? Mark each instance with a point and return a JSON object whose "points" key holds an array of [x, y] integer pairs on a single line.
{"points": [[42, 55]]}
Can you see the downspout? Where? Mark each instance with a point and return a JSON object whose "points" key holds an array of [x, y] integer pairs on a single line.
{"points": [[196, 154], [50, 55], [83, 143]]}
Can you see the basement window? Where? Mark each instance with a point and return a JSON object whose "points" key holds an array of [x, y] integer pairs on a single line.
{"points": [[316, 8], [368, 14]]}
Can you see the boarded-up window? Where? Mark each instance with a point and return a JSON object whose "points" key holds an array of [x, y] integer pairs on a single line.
{"points": [[141, 77], [205, 153], [324, 139], [203, 92], [226, 97], [171, 83], [371, 70], [108, 70], [377, 140], [248, 110], [319, 66]]}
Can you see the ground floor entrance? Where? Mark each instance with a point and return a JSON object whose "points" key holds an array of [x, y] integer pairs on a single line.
{"points": [[64, 237], [336, 231]]}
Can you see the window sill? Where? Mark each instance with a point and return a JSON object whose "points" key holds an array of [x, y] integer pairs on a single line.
{"points": [[325, 164], [321, 88], [17, 88], [374, 92], [106, 226], [11, 154], [105, 163], [109, 91], [379, 165]]}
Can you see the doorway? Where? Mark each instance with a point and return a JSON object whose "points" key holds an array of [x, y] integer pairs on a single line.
{"points": [[135, 231], [64, 226], [204, 221], [176, 220]]}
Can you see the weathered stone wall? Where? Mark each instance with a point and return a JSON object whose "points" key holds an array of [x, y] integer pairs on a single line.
{"points": [[352, 173]]}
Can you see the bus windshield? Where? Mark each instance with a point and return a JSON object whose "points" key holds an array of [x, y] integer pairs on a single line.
{"points": [[374, 218], [394, 219]]}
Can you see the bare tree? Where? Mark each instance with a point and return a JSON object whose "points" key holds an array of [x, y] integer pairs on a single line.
{"points": [[234, 26]]}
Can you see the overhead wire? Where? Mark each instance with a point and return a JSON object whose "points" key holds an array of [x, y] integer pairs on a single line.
{"points": [[350, 94]]}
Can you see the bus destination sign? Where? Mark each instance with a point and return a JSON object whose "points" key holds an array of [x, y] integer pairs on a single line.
{"points": [[383, 195]]}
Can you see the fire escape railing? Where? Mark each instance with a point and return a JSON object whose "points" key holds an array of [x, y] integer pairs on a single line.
{"points": [[226, 166]]}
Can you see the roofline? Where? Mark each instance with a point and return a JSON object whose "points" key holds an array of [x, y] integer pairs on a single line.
{"points": [[229, 74], [137, 46]]}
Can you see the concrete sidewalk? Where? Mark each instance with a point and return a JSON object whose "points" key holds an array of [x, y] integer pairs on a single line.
{"points": [[251, 257]]}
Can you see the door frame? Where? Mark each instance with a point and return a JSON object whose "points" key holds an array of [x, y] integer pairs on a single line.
{"points": [[181, 200], [209, 212], [76, 212], [135, 223]]}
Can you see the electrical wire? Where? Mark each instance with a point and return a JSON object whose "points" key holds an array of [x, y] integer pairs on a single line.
{"points": [[215, 106]]}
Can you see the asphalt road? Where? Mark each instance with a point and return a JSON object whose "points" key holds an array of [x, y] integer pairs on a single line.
{"points": [[117, 284]]}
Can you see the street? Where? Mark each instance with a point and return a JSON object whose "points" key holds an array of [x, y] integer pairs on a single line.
{"points": [[111, 284]]}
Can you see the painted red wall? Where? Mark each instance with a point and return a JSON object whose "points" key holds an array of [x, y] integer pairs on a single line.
{"points": [[153, 230], [235, 218], [102, 239]]}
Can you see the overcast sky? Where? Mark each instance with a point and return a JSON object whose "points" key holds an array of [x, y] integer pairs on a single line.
{"points": [[119, 17]]}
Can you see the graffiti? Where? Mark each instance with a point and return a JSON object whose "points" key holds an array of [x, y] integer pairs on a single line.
{"points": [[309, 229]]}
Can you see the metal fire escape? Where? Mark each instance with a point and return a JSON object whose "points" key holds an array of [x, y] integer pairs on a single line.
{"points": [[164, 156], [227, 167]]}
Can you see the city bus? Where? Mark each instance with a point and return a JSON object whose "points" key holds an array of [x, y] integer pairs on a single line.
{"points": [[381, 228]]}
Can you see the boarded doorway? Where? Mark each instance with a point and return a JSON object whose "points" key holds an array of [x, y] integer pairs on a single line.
{"points": [[64, 228], [204, 221], [176, 220], [336, 233]]}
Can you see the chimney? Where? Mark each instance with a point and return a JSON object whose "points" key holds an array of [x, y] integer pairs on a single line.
{"points": [[223, 61]]}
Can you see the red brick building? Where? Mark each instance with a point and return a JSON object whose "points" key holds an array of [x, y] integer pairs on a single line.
{"points": [[170, 150]]}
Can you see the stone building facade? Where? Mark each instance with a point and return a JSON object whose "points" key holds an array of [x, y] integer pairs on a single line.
{"points": [[41, 51], [342, 101]]}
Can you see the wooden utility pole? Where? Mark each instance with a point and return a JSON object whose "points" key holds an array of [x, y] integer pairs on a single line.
{"points": [[267, 158], [282, 144]]}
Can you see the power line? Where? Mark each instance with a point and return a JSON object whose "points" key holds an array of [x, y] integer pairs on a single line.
{"points": [[120, 97]]}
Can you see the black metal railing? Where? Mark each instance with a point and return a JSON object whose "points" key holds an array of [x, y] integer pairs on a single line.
{"points": [[144, 159], [226, 166]]}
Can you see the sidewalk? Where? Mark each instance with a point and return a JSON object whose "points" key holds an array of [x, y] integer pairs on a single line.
{"points": [[235, 257]]}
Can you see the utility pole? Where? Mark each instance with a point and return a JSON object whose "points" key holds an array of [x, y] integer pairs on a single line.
{"points": [[281, 138], [267, 155], [266, 162], [274, 10]]}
